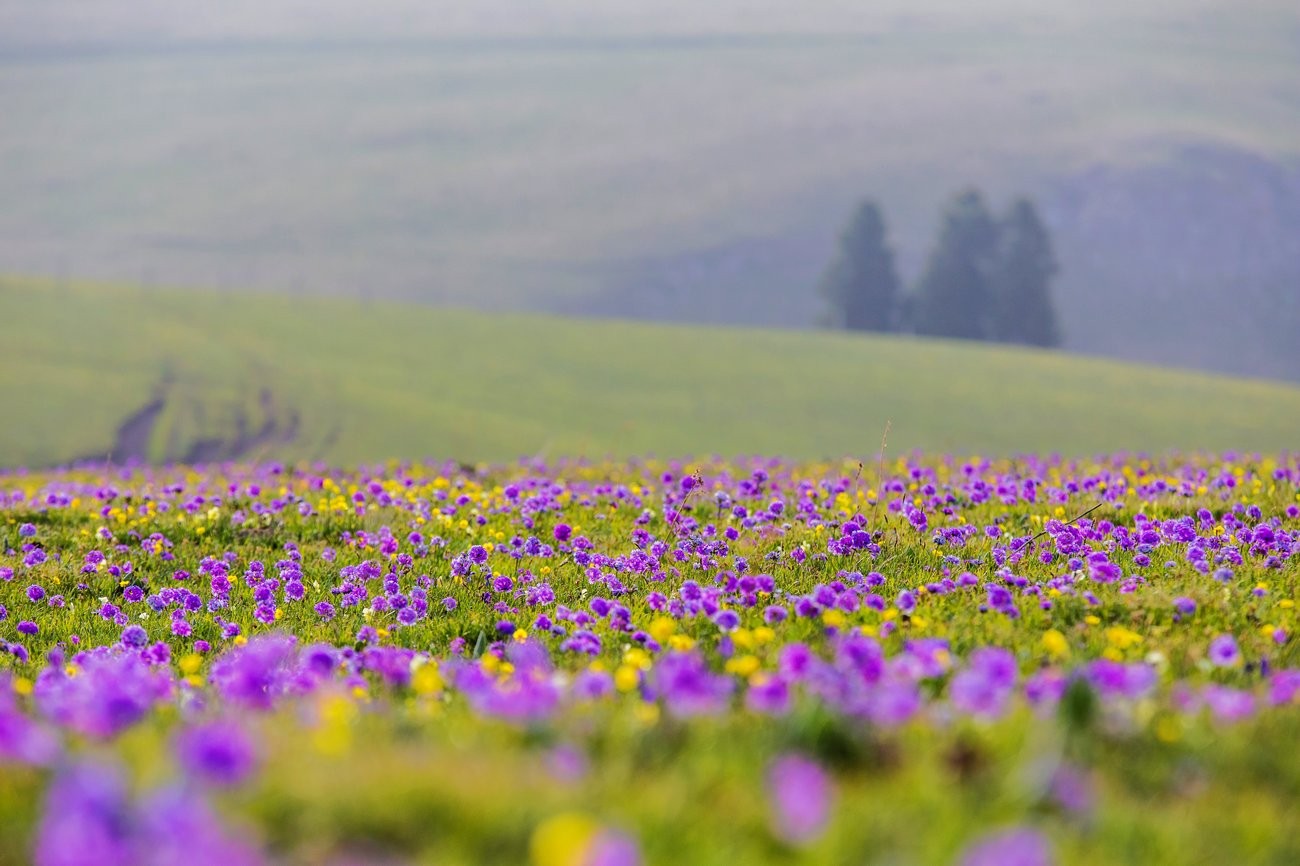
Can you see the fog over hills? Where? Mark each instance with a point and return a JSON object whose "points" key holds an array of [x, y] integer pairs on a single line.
{"points": [[675, 161], [81, 21]]}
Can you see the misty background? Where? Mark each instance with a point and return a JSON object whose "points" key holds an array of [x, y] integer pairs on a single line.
{"points": [[662, 160]]}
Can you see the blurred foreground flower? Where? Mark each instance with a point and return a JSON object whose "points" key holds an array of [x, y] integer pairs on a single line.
{"points": [[1018, 847], [574, 839], [218, 752], [90, 820], [801, 797]]}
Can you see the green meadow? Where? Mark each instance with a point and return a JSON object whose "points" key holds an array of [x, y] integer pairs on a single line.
{"points": [[268, 376]]}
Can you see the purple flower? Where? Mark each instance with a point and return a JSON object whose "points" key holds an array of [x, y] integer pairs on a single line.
{"points": [[109, 693], [727, 620], [582, 641], [28, 627], [1072, 790], [324, 610], [1114, 679], [800, 794], [526, 697], [36, 592], [257, 673], [1000, 597], [771, 697], [1185, 606], [796, 660], [1018, 847], [996, 663], [562, 531], [985, 687], [1284, 688], [176, 825], [217, 752], [976, 694], [21, 739], [566, 763], [1224, 652], [593, 685], [611, 848], [688, 687], [87, 820], [134, 636], [1229, 705]]}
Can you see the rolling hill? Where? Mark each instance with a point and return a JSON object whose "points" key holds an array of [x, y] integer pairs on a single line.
{"points": [[95, 370], [691, 163]]}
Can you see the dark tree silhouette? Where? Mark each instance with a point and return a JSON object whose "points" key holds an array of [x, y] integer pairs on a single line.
{"points": [[954, 297], [1022, 278], [861, 285]]}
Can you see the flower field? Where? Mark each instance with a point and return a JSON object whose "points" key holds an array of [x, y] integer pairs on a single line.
{"points": [[929, 660]]}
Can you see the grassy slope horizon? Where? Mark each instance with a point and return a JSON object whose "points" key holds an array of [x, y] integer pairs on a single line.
{"points": [[372, 381]]}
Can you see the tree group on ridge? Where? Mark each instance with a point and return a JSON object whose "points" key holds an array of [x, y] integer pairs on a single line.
{"points": [[986, 279]]}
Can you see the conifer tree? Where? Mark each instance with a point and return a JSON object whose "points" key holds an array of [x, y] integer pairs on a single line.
{"points": [[861, 285], [954, 297], [1022, 279]]}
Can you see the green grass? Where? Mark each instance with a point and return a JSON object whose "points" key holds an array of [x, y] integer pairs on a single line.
{"points": [[371, 382]]}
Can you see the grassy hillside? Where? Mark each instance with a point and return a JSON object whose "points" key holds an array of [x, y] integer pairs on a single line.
{"points": [[345, 381]]}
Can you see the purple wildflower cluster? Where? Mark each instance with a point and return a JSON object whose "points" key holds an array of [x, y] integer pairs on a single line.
{"points": [[946, 593]]}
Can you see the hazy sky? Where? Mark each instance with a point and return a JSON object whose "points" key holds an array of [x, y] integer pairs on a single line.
{"points": [[74, 21]]}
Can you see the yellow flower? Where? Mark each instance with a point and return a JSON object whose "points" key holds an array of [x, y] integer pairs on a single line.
{"points": [[334, 734], [662, 628], [427, 680], [637, 658], [833, 618], [1056, 644], [626, 678], [563, 840], [742, 666], [1121, 638]]}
